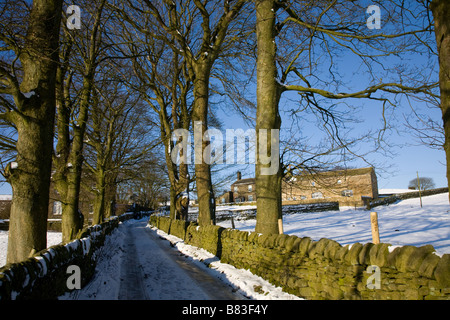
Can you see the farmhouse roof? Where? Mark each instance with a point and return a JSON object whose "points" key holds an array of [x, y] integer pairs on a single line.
{"points": [[244, 181], [345, 172]]}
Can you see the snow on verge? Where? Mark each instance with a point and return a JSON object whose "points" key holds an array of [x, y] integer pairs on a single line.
{"points": [[105, 283], [246, 282]]}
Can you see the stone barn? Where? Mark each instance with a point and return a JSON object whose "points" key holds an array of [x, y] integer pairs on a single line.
{"points": [[350, 187]]}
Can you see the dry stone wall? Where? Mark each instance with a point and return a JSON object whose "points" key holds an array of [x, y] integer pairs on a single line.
{"points": [[403, 196], [44, 276], [325, 269]]}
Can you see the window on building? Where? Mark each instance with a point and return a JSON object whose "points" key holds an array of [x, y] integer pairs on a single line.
{"points": [[317, 195], [57, 208], [347, 193], [250, 187], [223, 200], [339, 181], [250, 198], [236, 189], [313, 183], [303, 198]]}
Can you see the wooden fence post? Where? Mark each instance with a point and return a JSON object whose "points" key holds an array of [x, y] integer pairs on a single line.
{"points": [[280, 226], [374, 224], [418, 185]]}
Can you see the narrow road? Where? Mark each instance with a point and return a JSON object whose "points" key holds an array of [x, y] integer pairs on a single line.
{"points": [[152, 269], [131, 285]]}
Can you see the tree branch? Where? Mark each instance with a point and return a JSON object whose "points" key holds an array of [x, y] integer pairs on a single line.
{"points": [[386, 87]]}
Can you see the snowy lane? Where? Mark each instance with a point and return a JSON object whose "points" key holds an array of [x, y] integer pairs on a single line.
{"points": [[131, 286], [169, 276], [137, 264]]}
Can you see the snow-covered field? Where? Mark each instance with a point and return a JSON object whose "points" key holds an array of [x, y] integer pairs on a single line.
{"points": [[52, 239], [403, 223]]}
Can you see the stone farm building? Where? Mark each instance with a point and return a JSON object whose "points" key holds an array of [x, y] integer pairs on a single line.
{"points": [[350, 187], [243, 189]]}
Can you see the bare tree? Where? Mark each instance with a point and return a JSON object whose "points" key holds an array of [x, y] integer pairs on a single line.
{"points": [[76, 77], [424, 128], [150, 183], [441, 12], [27, 76], [159, 74], [311, 35], [119, 139], [195, 31], [425, 183], [268, 184], [199, 66]]}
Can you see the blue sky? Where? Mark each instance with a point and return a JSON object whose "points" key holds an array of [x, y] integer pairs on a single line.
{"points": [[5, 189], [397, 170], [406, 155]]}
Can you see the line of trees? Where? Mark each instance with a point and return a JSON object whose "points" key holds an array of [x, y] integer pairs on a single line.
{"points": [[67, 118], [94, 104]]}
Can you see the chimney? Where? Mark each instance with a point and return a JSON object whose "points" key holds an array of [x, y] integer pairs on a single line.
{"points": [[239, 175]]}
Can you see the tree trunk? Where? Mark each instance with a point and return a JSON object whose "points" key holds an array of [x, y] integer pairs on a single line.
{"points": [[70, 161], [99, 205], [105, 178], [173, 200], [171, 167], [110, 196], [72, 219], [268, 184], [441, 13], [179, 184], [60, 176], [206, 204], [99, 208], [182, 202], [30, 178]]}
